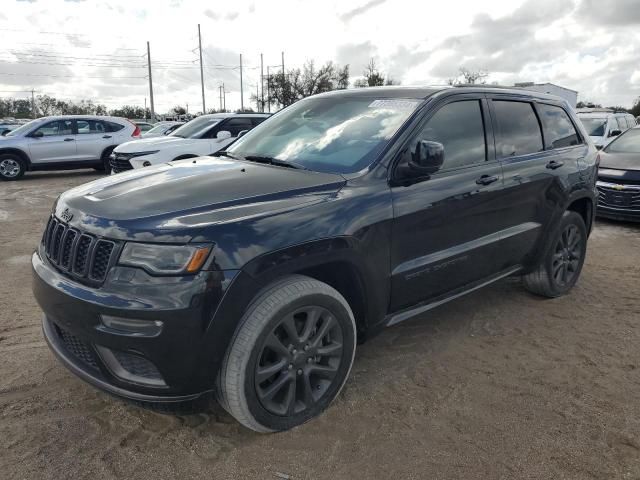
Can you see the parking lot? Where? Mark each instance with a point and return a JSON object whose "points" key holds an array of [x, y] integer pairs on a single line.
{"points": [[499, 384]]}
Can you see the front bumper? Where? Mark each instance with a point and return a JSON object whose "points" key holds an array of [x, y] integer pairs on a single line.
{"points": [[170, 365]]}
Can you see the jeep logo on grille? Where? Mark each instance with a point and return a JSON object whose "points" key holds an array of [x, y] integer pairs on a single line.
{"points": [[66, 215]]}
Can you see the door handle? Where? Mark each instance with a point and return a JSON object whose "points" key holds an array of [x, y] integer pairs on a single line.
{"points": [[68, 139], [106, 136], [553, 164], [486, 179]]}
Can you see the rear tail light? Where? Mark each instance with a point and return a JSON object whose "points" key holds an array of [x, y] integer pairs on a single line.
{"points": [[136, 130]]}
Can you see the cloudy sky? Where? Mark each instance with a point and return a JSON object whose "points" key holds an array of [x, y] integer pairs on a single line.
{"points": [[75, 49]]}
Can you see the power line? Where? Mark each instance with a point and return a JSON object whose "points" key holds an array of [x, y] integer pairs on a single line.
{"points": [[102, 77]]}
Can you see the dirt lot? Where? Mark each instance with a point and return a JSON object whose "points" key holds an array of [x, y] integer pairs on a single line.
{"points": [[499, 384]]}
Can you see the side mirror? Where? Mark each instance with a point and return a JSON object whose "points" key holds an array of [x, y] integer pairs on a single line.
{"points": [[427, 158], [615, 133], [242, 132], [223, 135], [37, 134]]}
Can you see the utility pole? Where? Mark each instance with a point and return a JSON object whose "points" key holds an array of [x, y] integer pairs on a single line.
{"points": [[268, 92], [33, 104], [204, 108], [261, 83], [257, 98], [283, 81], [224, 98], [145, 108], [241, 92], [220, 93], [153, 114]]}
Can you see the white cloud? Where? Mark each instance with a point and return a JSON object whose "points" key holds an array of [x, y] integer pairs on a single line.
{"points": [[411, 41]]}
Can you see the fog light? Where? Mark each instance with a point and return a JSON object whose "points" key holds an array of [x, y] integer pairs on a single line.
{"points": [[146, 163], [131, 326]]}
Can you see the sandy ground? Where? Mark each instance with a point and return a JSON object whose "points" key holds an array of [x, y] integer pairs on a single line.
{"points": [[499, 384]]}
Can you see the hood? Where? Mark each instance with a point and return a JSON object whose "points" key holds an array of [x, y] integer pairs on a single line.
{"points": [[620, 161], [8, 141], [155, 143], [171, 202]]}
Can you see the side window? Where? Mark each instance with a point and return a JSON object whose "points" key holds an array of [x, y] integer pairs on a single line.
{"points": [[112, 127], [632, 121], [89, 126], [559, 132], [518, 131], [613, 124], [257, 121], [59, 127], [460, 128], [236, 125]]}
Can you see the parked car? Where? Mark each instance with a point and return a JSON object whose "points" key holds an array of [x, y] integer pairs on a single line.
{"points": [[7, 127], [144, 126], [63, 142], [619, 178], [250, 274], [602, 126], [161, 129], [201, 136]]}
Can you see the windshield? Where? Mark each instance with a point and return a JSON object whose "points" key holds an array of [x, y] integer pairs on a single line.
{"points": [[595, 126], [628, 142], [194, 127], [23, 129], [339, 134]]}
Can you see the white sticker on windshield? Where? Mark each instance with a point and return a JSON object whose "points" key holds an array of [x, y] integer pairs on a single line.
{"points": [[394, 104]]}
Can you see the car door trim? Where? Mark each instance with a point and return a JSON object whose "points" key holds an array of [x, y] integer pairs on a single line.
{"points": [[462, 248]]}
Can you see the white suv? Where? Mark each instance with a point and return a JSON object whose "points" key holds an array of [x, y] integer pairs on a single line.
{"points": [[203, 135], [603, 125], [63, 142]]}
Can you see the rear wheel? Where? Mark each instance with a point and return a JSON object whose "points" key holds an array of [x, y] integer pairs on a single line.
{"points": [[290, 355], [12, 167], [561, 266], [105, 160]]}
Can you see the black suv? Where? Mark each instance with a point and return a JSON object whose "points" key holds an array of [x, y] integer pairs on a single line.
{"points": [[251, 275]]}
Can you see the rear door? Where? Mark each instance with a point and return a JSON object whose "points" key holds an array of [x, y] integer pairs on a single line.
{"points": [[91, 139], [536, 168], [446, 228], [57, 143]]}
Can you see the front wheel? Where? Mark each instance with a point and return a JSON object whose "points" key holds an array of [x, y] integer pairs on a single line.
{"points": [[290, 356], [561, 265], [12, 167]]}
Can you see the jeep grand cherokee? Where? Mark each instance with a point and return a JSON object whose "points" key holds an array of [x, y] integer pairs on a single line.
{"points": [[250, 275]]}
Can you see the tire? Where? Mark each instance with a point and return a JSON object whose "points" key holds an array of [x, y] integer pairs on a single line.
{"points": [[106, 165], [562, 263], [12, 167], [306, 367]]}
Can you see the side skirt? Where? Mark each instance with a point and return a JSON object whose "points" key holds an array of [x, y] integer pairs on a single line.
{"points": [[408, 313]]}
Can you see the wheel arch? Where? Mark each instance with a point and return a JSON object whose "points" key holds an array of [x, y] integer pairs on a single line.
{"points": [[108, 149], [583, 205], [16, 151]]}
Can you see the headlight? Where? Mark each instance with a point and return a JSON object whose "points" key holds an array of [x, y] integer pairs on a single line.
{"points": [[165, 259]]}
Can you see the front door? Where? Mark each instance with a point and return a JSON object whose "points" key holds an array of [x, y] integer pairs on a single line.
{"points": [[447, 227], [57, 143]]}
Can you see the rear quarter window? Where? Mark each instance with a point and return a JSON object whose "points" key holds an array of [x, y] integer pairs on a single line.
{"points": [[559, 131], [113, 127]]}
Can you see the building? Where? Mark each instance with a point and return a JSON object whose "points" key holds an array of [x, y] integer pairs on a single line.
{"points": [[569, 95]]}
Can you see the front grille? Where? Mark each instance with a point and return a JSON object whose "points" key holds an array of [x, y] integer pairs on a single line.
{"points": [[120, 162], [78, 254], [137, 365], [626, 197], [77, 348]]}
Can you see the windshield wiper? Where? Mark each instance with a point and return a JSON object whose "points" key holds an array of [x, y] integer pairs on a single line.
{"points": [[224, 153], [274, 161]]}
